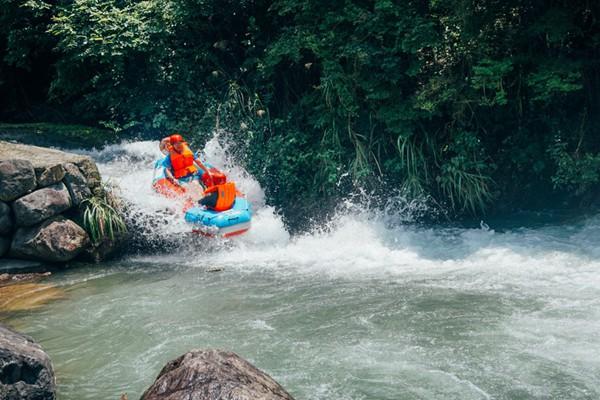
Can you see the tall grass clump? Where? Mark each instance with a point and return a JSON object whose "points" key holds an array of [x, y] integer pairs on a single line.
{"points": [[101, 219]]}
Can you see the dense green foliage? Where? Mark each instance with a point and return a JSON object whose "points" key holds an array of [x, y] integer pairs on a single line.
{"points": [[477, 103]]}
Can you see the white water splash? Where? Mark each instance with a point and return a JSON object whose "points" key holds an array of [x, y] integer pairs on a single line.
{"points": [[130, 167]]}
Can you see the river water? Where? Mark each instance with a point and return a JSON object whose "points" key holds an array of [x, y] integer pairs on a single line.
{"points": [[364, 309]]}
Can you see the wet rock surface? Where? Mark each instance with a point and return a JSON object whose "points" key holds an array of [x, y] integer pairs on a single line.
{"points": [[213, 375], [41, 204], [17, 177], [25, 369], [55, 240]]}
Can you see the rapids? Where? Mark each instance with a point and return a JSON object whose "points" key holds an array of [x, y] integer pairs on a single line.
{"points": [[360, 309]]}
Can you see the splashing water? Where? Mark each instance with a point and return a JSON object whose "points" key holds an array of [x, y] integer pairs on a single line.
{"points": [[158, 221], [361, 309]]}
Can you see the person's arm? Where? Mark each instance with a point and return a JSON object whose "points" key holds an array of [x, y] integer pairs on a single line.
{"points": [[203, 168], [170, 177], [168, 173]]}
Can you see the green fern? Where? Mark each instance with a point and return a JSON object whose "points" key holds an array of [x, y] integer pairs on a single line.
{"points": [[101, 220]]}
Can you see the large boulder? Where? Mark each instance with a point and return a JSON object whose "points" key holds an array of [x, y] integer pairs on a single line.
{"points": [[55, 240], [25, 369], [17, 177], [76, 183], [213, 375], [44, 159], [41, 204], [6, 221]]}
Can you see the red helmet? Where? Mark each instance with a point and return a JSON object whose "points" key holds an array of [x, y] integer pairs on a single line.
{"points": [[176, 138]]}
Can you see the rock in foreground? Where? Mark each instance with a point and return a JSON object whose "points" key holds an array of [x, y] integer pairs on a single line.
{"points": [[25, 369], [213, 375]]}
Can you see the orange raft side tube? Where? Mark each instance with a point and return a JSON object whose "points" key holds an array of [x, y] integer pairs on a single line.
{"points": [[172, 191], [168, 188]]}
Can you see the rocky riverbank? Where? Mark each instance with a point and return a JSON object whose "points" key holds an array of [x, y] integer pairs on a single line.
{"points": [[41, 195]]}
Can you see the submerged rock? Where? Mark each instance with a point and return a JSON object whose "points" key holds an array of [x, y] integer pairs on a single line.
{"points": [[17, 177], [55, 240], [213, 375], [25, 369], [6, 220], [23, 296], [41, 204]]}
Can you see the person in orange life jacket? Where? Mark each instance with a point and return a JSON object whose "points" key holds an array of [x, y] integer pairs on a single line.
{"points": [[219, 194], [182, 164], [219, 197]]}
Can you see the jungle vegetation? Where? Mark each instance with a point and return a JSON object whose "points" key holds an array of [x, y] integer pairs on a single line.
{"points": [[480, 105]]}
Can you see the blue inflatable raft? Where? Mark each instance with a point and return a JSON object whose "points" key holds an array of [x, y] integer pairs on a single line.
{"points": [[234, 221]]}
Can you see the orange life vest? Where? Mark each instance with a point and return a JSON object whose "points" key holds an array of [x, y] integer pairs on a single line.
{"points": [[225, 195], [183, 163]]}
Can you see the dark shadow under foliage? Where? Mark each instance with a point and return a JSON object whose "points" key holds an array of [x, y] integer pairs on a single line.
{"points": [[482, 104]]}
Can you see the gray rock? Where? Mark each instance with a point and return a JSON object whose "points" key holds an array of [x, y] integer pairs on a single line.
{"points": [[42, 157], [90, 171], [4, 245], [55, 240], [6, 220], [25, 369], [76, 183], [104, 250], [17, 177], [41, 204], [50, 174], [213, 375]]}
